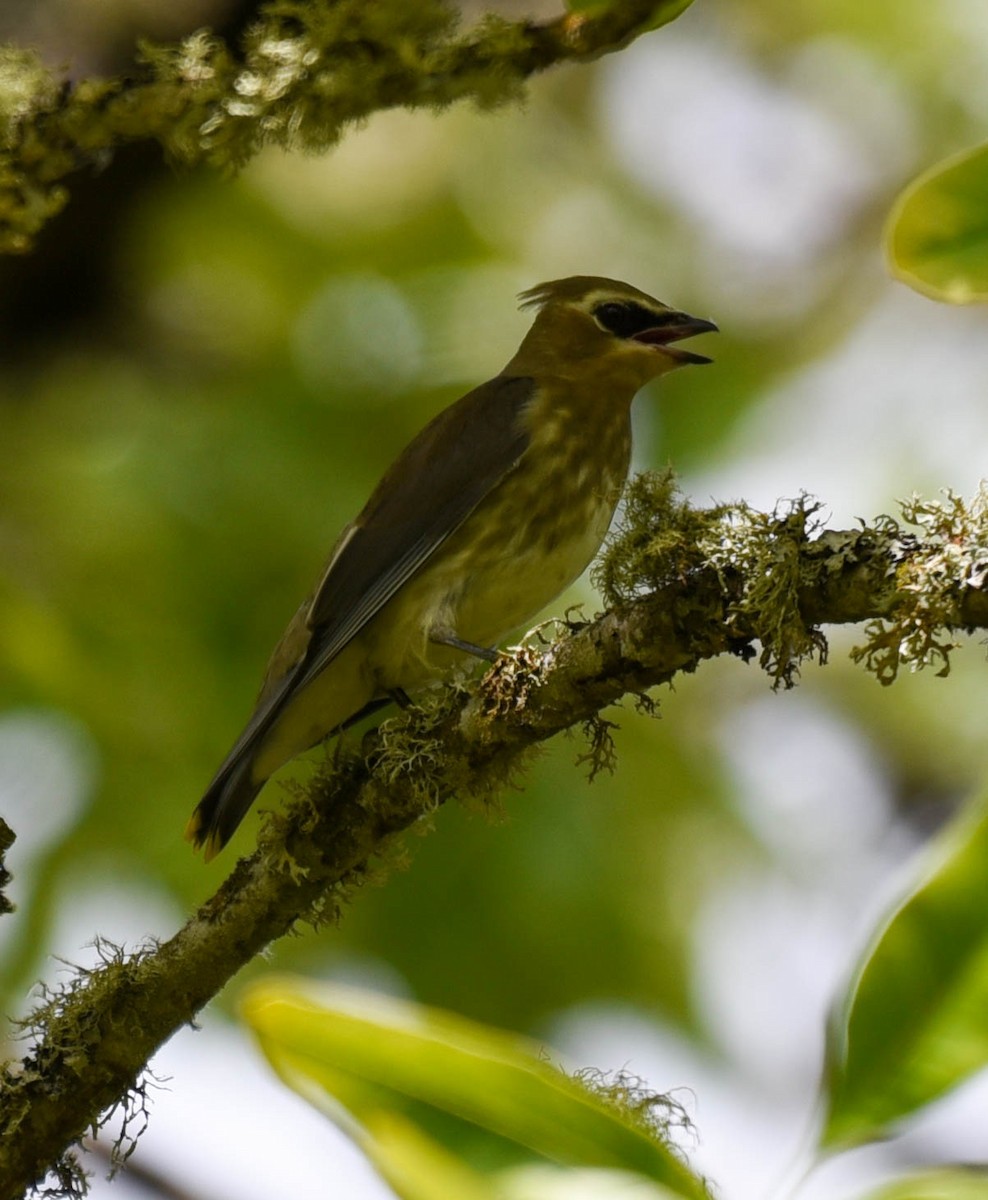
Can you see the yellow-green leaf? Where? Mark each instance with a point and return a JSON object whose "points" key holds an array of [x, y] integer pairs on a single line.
{"points": [[954, 1184], [937, 234], [915, 1022], [417, 1167], [363, 1054], [664, 11], [586, 1183]]}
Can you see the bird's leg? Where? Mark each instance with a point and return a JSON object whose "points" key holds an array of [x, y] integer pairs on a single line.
{"points": [[442, 638]]}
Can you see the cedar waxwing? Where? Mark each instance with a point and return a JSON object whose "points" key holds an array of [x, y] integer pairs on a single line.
{"points": [[492, 510]]}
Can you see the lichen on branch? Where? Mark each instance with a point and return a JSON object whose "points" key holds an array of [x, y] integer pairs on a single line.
{"points": [[757, 559], [939, 574], [682, 585], [783, 575], [7, 839], [306, 72]]}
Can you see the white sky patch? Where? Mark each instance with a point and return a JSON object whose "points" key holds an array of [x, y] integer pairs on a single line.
{"points": [[108, 903], [902, 399], [48, 769], [807, 783], [768, 172], [762, 168]]}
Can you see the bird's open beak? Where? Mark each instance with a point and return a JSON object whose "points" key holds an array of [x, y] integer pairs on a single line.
{"points": [[675, 327]]}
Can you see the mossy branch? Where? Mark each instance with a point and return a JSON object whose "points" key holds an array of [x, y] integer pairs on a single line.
{"points": [[683, 585], [6, 841], [305, 72]]}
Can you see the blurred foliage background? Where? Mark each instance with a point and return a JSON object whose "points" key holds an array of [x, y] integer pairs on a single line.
{"points": [[202, 378]]}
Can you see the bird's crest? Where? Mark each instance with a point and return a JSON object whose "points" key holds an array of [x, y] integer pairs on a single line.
{"points": [[576, 288]]}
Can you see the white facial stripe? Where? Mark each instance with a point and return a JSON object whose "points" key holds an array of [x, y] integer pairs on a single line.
{"points": [[589, 302]]}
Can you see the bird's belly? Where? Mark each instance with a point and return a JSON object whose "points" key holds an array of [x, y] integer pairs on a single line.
{"points": [[482, 585], [502, 594]]}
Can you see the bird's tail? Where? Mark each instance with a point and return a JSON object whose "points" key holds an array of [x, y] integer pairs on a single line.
{"points": [[223, 807], [265, 745]]}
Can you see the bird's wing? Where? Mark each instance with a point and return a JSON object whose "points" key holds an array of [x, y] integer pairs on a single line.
{"points": [[429, 491], [425, 496]]}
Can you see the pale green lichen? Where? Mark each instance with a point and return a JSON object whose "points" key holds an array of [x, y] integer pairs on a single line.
{"points": [[26, 87], [408, 749], [28, 194], [662, 539], [949, 554], [772, 567], [766, 551], [656, 541], [61, 1025], [656, 1114], [305, 73]]}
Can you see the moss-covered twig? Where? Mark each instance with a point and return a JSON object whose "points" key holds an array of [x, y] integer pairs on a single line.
{"points": [[7, 839], [307, 70], [683, 585]]}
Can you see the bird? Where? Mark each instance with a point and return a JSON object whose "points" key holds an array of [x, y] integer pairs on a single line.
{"points": [[487, 515]]}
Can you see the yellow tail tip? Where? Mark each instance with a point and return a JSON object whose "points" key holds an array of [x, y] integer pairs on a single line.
{"points": [[193, 830], [208, 843]]}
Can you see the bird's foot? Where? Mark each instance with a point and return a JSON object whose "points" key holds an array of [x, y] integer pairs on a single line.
{"points": [[487, 653]]}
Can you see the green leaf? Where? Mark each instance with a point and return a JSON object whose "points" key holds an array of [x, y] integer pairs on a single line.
{"points": [[480, 1091], [936, 1185], [417, 1167], [663, 12], [915, 1021], [936, 239], [550, 1183]]}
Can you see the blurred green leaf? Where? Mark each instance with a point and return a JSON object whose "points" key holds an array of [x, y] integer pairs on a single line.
{"points": [[541, 1182], [370, 1055], [936, 1185], [916, 1018], [417, 1167], [664, 10], [937, 234]]}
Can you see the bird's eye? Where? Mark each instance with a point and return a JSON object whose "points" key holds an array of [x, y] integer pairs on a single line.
{"points": [[624, 320]]}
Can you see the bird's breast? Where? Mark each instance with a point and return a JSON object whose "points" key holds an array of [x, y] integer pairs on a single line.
{"points": [[527, 540]]}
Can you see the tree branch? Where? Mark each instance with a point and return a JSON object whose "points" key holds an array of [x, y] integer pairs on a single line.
{"points": [[6, 841], [307, 70], [685, 585]]}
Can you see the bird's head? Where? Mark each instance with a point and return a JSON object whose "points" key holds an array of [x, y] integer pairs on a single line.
{"points": [[586, 324]]}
